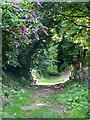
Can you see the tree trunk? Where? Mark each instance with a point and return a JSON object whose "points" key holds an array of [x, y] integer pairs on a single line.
{"points": [[81, 71], [71, 71]]}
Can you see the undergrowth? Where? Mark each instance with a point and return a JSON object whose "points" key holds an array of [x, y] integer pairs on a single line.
{"points": [[74, 99]]}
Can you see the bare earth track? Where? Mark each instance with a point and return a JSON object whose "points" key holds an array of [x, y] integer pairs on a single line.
{"points": [[44, 90], [63, 79]]}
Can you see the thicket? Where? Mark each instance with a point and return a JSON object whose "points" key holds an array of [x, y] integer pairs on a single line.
{"points": [[25, 46]]}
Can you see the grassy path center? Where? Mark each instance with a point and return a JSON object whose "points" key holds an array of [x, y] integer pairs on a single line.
{"points": [[38, 98]]}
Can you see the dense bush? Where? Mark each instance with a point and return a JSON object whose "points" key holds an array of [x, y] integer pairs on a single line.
{"points": [[25, 47], [20, 32]]}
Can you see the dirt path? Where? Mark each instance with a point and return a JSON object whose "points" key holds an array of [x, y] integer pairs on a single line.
{"points": [[63, 79], [41, 92], [38, 97]]}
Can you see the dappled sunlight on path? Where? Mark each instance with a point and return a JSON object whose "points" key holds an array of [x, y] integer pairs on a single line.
{"points": [[43, 90], [63, 78]]}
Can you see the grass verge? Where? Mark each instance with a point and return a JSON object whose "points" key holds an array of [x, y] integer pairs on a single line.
{"points": [[74, 100]]}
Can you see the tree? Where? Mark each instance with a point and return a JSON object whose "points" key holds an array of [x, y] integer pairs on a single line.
{"points": [[72, 19], [20, 25], [27, 42]]}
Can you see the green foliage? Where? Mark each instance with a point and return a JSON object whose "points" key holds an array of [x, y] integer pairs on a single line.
{"points": [[44, 112], [26, 47], [46, 60], [14, 109], [70, 23], [50, 80], [20, 98], [52, 69], [20, 25], [13, 97], [78, 113], [74, 99]]}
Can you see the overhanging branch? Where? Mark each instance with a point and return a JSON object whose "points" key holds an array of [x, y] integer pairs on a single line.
{"points": [[68, 17]]}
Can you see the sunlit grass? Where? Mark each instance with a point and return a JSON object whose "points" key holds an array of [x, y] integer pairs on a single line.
{"points": [[53, 78], [74, 100], [50, 80], [43, 112], [15, 109]]}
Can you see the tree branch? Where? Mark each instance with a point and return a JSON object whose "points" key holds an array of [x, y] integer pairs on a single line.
{"points": [[73, 16], [66, 16], [80, 24], [85, 12]]}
